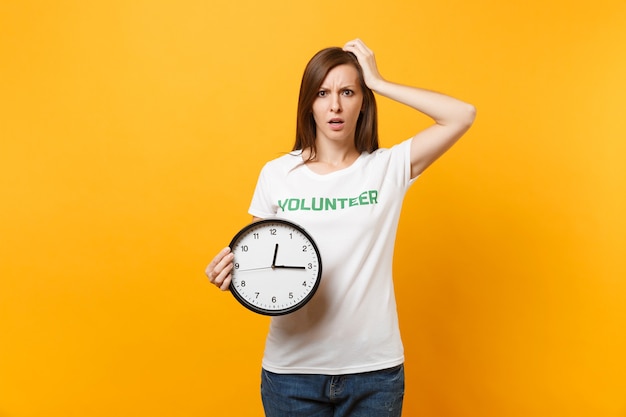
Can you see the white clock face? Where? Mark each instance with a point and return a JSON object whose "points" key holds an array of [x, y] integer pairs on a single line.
{"points": [[277, 267]]}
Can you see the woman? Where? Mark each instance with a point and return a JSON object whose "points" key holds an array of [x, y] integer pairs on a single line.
{"points": [[341, 354]]}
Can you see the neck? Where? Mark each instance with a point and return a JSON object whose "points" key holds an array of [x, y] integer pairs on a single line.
{"points": [[335, 153], [330, 157]]}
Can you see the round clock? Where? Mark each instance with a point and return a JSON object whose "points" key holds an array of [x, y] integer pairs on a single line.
{"points": [[277, 267]]}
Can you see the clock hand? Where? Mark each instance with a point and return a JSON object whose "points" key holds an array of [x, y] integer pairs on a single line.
{"points": [[289, 267], [275, 253], [254, 269]]}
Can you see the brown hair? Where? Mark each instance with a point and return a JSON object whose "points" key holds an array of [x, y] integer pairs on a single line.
{"points": [[366, 135]]}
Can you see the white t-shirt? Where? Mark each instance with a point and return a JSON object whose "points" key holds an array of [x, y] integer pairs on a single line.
{"points": [[351, 323]]}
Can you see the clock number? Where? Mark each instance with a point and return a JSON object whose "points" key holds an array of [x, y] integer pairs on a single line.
{"points": [[298, 259]]}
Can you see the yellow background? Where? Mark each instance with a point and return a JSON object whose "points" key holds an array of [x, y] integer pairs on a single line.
{"points": [[131, 136]]}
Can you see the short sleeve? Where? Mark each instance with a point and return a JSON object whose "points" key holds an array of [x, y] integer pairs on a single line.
{"points": [[400, 163], [261, 205]]}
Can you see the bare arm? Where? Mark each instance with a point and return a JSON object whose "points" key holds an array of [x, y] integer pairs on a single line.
{"points": [[452, 117]]}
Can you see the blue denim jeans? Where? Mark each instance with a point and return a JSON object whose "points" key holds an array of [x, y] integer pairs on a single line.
{"points": [[369, 394]]}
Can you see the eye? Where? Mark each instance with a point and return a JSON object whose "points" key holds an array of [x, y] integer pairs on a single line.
{"points": [[321, 93], [347, 92]]}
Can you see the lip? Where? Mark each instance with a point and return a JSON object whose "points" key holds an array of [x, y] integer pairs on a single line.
{"points": [[336, 123]]}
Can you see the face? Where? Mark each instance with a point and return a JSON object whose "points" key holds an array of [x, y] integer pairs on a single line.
{"points": [[338, 105]]}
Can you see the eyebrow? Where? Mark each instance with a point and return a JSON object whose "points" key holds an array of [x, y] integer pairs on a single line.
{"points": [[349, 86]]}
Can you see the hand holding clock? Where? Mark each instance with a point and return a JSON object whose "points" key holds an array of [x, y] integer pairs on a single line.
{"points": [[219, 269], [244, 267]]}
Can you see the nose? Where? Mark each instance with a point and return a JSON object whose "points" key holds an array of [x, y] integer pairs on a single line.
{"points": [[335, 105]]}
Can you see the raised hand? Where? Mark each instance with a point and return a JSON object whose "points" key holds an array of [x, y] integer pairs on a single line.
{"points": [[367, 60]]}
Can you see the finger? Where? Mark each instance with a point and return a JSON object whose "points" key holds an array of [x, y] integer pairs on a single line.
{"points": [[210, 269], [351, 47], [357, 45], [226, 263], [221, 255], [226, 283], [223, 279]]}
